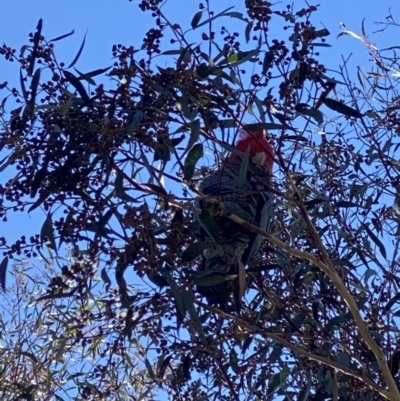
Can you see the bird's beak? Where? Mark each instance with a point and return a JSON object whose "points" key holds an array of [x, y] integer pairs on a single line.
{"points": [[259, 158]]}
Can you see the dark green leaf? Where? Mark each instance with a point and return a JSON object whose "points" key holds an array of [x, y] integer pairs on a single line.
{"points": [[233, 360], [196, 19], [150, 369], [178, 217], [75, 375], [377, 241], [321, 44], [266, 126], [98, 229], [230, 148], [276, 354], [260, 108], [337, 321], [105, 278], [194, 134], [172, 52], [235, 209], [158, 280], [107, 216], [214, 17], [378, 336], [341, 108], [186, 364], [247, 32], [321, 33], [395, 363], [79, 53], [162, 365], [37, 180], [246, 343], [283, 377], [119, 188], [297, 138], [62, 36], [36, 41], [203, 70], [211, 279], [145, 161], [273, 384], [241, 57], [314, 202], [34, 86], [3, 273], [57, 295], [311, 112], [234, 77], [193, 251], [77, 84], [156, 188], [92, 74], [194, 317], [177, 293], [343, 358], [137, 118], [23, 88], [369, 273], [192, 158], [61, 349], [344, 203], [236, 14], [184, 57], [85, 77], [30, 356], [268, 60], [120, 279], [177, 141], [305, 391], [244, 166], [47, 231], [43, 196], [23, 50], [222, 74], [183, 105], [162, 152], [228, 123], [209, 225]]}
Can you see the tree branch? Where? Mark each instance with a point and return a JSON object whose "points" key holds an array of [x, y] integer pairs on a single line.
{"points": [[328, 268], [255, 329]]}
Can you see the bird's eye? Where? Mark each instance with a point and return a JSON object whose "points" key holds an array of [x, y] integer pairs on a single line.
{"points": [[259, 158]]}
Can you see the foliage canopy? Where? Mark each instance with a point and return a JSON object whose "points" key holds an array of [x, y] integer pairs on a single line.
{"points": [[111, 158]]}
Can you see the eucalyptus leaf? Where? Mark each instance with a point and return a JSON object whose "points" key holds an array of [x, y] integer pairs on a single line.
{"points": [[192, 158], [193, 251], [213, 279], [3, 273], [377, 241], [209, 224], [196, 19], [47, 232], [341, 108]]}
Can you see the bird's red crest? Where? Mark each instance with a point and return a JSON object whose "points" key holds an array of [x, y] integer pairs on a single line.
{"points": [[256, 141]]}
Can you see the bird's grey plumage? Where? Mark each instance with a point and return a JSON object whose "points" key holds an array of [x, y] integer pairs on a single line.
{"points": [[235, 244]]}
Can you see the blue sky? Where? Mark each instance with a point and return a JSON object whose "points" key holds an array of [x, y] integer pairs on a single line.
{"points": [[120, 21]]}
